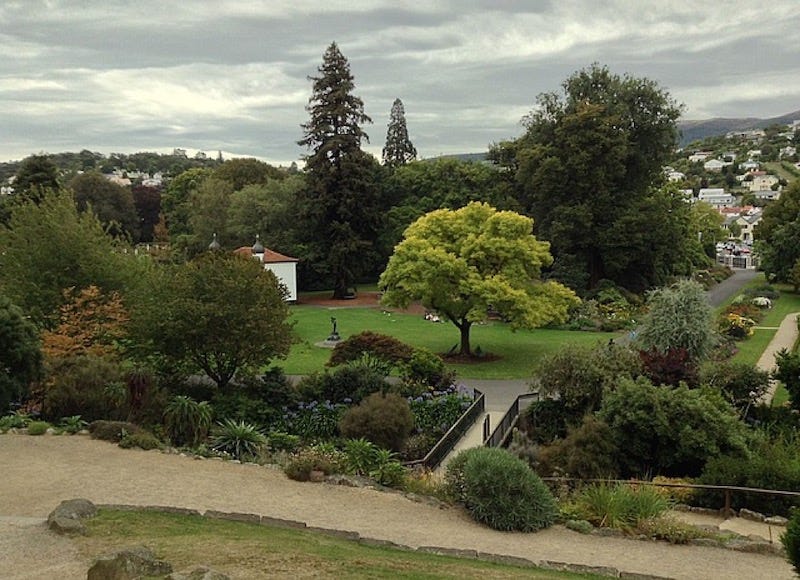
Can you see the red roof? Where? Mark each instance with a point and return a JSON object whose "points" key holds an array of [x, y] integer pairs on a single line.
{"points": [[270, 257]]}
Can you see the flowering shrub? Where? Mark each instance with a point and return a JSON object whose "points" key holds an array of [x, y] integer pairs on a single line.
{"points": [[736, 326], [313, 421], [762, 302]]}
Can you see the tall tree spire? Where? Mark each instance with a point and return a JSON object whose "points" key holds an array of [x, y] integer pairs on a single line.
{"points": [[398, 150]]}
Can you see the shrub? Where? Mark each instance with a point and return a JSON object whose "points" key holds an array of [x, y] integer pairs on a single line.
{"points": [[314, 421], [344, 384], [426, 368], [426, 482], [14, 421], [258, 400], [619, 505], [434, 415], [187, 421], [788, 373], [588, 452], [740, 383], [280, 441], [84, 386], [736, 326], [679, 317], [500, 490], [765, 291], [670, 431], [671, 530], [382, 346], [418, 445], [141, 440], [38, 427], [669, 368], [361, 456], [546, 420], [384, 419], [315, 458], [791, 541], [240, 440], [72, 425], [580, 375], [388, 471], [112, 431], [771, 464]]}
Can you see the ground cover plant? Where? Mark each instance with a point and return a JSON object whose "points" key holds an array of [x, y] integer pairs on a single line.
{"points": [[517, 349], [244, 550]]}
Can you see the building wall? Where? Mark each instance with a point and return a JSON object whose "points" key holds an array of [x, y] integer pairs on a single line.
{"points": [[286, 273]]}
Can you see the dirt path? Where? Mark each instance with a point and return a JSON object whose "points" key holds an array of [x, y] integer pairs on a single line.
{"points": [[39, 472]]}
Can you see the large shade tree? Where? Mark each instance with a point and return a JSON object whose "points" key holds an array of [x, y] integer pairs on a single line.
{"points": [[112, 203], [586, 167], [221, 314], [462, 263], [20, 353], [778, 233], [341, 206]]}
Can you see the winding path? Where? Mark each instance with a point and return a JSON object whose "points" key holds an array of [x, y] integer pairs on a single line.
{"points": [[39, 472]]}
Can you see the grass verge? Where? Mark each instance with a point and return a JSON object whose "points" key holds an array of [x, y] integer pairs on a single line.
{"points": [[244, 550], [518, 351]]}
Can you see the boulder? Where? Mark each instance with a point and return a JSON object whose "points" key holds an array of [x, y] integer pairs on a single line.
{"points": [[66, 518], [128, 564]]}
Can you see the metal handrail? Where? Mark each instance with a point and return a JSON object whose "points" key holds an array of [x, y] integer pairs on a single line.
{"points": [[448, 441], [506, 425]]}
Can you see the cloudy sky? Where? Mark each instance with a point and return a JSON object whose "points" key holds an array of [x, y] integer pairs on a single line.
{"points": [[231, 75]]}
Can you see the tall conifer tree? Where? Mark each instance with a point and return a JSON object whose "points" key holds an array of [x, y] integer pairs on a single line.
{"points": [[398, 150], [341, 200]]}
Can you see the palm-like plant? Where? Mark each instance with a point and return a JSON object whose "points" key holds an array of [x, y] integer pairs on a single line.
{"points": [[187, 421], [238, 439]]}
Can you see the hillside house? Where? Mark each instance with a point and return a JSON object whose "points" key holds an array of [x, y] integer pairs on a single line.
{"points": [[761, 182], [699, 156], [716, 197], [715, 165]]}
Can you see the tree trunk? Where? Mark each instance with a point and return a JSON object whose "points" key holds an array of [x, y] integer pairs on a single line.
{"points": [[340, 286], [464, 327]]}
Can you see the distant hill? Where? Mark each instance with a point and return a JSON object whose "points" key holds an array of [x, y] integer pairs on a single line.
{"points": [[695, 130]]}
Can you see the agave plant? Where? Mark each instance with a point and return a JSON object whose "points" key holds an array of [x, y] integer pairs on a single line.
{"points": [[187, 421], [238, 439]]}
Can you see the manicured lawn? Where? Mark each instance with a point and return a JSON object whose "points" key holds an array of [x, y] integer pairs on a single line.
{"points": [[244, 550], [519, 350]]}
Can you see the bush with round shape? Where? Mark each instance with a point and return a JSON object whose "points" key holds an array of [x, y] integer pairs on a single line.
{"points": [[348, 383], [240, 440], [86, 386], [141, 440], [384, 419], [587, 452], [73, 424], [112, 431], [500, 490], [382, 346], [322, 458], [791, 540], [38, 427], [426, 368]]}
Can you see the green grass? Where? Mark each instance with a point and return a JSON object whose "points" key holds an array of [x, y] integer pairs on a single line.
{"points": [[781, 396], [245, 550], [518, 350]]}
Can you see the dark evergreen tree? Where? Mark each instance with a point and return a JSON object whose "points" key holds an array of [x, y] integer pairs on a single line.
{"points": [[341, 201], [36, 176], [398, 150]]}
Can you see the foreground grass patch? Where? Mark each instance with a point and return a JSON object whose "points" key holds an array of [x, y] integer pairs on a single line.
{"points": [[252, 551], [518, 351]]}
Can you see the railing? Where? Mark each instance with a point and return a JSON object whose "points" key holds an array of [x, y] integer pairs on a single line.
{"points": [[728, 490], [502, 432], [448, 441]]}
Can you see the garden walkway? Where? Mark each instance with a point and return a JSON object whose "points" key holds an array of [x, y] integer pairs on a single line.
{"points": [[39, 472], [785, 337]]}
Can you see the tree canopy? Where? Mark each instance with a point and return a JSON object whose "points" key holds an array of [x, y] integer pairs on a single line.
{"points": [[221, 314], [398, 149], [586, 168], [461, 263], [778, 233], [111, 203], [340, 205], [36, 176]]}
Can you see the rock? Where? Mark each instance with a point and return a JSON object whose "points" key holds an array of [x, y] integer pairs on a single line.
{"points": [[776, 521], [198, 573], [128, 564], [747, 514], [66, 518], [341, 479], [316, 476]]}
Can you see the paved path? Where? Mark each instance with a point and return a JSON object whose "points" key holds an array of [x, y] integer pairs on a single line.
{"points": [[785, 337], [39, 472], [730, 286]]}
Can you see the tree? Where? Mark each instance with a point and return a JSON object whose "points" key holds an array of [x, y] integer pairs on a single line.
{"points": [[110, 202], [175, 200], [247, 171], [341, 208], [777, 234], [51, 247], [679, 317], [587, 164], [221, 314], [36, 176], [20, 354], [460, 263], [398, 149], [147, 201], [788, 372]]}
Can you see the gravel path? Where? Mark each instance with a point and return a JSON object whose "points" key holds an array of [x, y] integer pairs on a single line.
{"points": [[39, 472]]}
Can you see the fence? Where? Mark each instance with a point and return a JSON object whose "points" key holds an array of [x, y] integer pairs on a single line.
{"points": [[445, 445], [727, 490], [502, 432]]}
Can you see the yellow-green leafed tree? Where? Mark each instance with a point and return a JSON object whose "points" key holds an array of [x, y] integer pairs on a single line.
{"points": [[460, 263]]}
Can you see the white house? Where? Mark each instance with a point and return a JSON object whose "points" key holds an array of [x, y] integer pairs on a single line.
{"points": [[749, 165], [716, 197], [761, 182], [714, 165], [284, 267], [767, 195], [699, 156]]}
